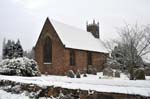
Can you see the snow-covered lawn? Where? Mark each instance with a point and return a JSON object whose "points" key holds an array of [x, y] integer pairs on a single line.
{"points": [[91, 82]]}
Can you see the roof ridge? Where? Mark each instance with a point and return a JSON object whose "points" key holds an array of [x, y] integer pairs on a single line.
{"points": [[67, 24]]}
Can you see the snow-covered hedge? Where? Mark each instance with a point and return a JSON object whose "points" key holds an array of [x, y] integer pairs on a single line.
{"points": [[19, 66]]}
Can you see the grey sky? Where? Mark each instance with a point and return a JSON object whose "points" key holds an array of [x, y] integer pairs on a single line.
{"points": [[23, 19]]}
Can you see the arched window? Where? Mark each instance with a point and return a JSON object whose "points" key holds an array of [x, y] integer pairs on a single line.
{"points": [[72, 57], [47, 50]]}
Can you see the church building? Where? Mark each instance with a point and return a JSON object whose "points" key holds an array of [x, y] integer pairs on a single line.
{"points": [[61, 47]]}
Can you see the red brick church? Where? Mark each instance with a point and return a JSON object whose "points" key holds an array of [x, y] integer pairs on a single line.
{"points": [[61, 47]]}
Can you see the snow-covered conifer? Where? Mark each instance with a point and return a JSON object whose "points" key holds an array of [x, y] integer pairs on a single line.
{"points": [[3, 48]]}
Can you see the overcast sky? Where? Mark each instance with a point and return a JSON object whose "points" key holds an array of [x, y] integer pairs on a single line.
{"points": [[23, 19]]}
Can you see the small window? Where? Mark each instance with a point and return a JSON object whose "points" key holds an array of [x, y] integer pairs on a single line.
{"points": [[47, 50], [89, 58], [72, 57]]}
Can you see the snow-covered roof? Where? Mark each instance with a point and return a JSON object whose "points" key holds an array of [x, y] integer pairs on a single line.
{"points": [[76, 38]]}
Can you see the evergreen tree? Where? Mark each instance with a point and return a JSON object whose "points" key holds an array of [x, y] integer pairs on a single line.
{"points": [[18, 51], [12, 49], [9, 49], [3, 49]]}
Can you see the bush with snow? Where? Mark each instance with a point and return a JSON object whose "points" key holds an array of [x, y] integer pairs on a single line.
{"points": [[19, 66]]}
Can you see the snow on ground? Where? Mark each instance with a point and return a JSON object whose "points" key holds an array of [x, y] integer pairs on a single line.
{"points": [[6, 95], [92, 82]]}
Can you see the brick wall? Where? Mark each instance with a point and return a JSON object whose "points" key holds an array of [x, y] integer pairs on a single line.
{"points": [[57, 51], [98, 59], [61, 55]]}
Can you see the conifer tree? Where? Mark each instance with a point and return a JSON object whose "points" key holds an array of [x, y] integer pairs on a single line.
{"points": [[12, 49], [18, 51], [3, 48]]}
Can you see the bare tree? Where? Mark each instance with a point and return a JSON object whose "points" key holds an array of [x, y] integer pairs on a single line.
{"points": [[134, 43], [109, 45], [137, 37]]}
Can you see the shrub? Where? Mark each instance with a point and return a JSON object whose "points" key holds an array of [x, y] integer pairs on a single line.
{"points": [[19, 66], [147, 71], [139, 74], [70, 74]]}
